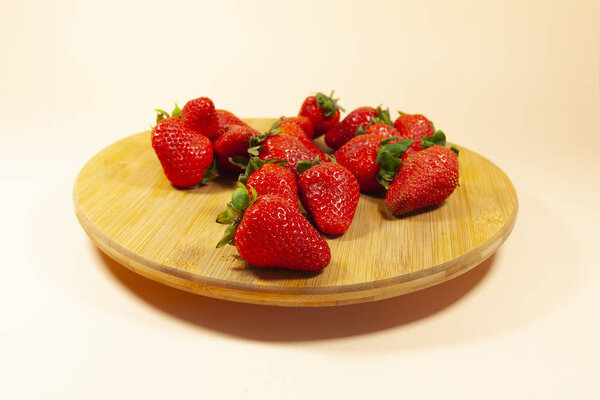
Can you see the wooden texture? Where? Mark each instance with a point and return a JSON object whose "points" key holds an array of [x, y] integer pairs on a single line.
{"points": [[132, 213]]}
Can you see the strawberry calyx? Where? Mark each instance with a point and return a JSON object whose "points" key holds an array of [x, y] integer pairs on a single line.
{"points": [[383, 117], [162, 114], [276, 124], [210, 173], [255, 142], [233, 214], [254, 164], [389, 156], [363, 128], [438, 138], [328, 104], [304, 165]]}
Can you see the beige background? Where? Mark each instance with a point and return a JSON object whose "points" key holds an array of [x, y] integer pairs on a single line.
{"points": [[515, 81]]}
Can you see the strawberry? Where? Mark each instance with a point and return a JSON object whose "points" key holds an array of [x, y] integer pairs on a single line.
{"points": [[200, 115], [346, 130], [382, 129], [286, 148], [426, 178], [322, 111], [227, 118], [184, 154], [233, 143], [415, 127], [280, 126], [302, 122], [271, 232], [329, 192], [360, 156], [269, 177]]}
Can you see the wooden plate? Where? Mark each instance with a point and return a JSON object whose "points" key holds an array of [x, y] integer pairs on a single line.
{"points": [[133, 214]]}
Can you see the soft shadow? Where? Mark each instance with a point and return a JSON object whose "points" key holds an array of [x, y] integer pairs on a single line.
{"points": [[282, 324]]}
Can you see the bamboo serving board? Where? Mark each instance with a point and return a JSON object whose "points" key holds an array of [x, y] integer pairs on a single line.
{"points": [[133, 214]]}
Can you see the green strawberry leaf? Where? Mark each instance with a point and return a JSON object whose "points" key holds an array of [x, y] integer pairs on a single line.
{"points": [[305, 165], [210, 173], [438, 138], [240, 198], [363, 128], [254, 194], [161, 114], [432, 125], [389, 156], [233, 214], [228, 236], [255, 142], [239, 161], [228, 216], [401, 112], [383, 117], [176, 111], [328, 104], [276, 124]]}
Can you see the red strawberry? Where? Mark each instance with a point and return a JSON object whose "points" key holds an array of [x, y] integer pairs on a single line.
{"points": [[269, 177], [322, 111], [360, 155], [233, 143], [382, 129], [300, 121], [200, 115], [184, 154], [297, 132], [227, 118], [346, 130], [329, 192], [415, 127], [271, 232], [280, 146], [426, 178]]}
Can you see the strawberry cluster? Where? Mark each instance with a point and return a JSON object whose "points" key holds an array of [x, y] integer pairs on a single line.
{"points": [[283, 168]]}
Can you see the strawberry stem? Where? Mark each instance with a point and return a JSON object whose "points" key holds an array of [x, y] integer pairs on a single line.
{"points": [[328, 104], [383, 117]]}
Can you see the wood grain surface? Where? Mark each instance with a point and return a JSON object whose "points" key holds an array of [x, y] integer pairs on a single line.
{"points": [[133, 214]]}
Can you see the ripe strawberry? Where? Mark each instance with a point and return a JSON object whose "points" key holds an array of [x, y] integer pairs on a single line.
{"points": [[271, 232], [329, 192], [346, 130], [200, 115], [426, 178], [415, 127], [360, 155], [227, 118], [184, 154], [296, 131], [269, 177], [382, 129], [283, 147], [233, 144], [300, 121], [322, 111]]}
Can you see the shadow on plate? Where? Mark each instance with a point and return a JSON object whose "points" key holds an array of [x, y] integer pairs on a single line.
{"points": [[283, 324]]}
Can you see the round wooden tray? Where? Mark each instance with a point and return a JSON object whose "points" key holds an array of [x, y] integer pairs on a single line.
{"points": [[133, 214]]}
